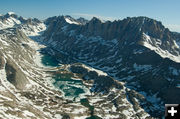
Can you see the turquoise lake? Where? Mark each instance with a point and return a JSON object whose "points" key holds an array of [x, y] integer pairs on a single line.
{"points": [[71, 88]]}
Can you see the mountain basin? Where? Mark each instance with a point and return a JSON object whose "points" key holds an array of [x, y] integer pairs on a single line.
{"points": [[72, 89]]}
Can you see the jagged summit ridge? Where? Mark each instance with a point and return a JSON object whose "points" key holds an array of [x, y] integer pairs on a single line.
{"points": [[29, 26], [107, 30]]}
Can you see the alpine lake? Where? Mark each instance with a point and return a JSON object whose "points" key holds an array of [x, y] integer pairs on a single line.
{"points": [[71, 88]]}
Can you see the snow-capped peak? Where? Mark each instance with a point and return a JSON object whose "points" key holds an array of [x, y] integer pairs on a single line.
{"points": [[33, 30], [155, 45], [30, 29], [9, 22], [71, 21], [10, 13]]}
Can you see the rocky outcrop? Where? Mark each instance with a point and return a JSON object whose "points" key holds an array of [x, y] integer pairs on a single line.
{"points": [[101, 83], [82, 20]]}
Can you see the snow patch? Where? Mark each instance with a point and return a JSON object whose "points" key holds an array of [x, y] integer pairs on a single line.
{"points": [[33, 30], [156, 47], [6, 98], [4, 42], [96, 70], [70, 21], [11, 13], [2, 88], [27, 113], [9, 22], [95, 100], [58, 116], [78, 111], [175, 44]]}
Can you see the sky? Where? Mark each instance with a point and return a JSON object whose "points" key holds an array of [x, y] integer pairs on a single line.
{"points": [[166, 11]]}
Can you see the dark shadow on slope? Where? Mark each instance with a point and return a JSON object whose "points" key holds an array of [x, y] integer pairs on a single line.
{"points": [[10, 73]]}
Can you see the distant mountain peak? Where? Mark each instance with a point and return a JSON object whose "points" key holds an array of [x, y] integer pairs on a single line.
{"points": [[82, 20], [10, 13], [96, 19], [71, 20]]}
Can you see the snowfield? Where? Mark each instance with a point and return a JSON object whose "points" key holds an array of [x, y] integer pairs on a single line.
{"points": [[96, 70], [70, 21], [157, 48]]}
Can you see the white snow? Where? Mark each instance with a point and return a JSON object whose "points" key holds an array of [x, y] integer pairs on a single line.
{"points": [[6, 98], [4, 42], [5, 115], [109, 116], [37, 59], [79, 111], [70, 21], [13, 20], [28, 29], [163, 53], [95, 100], [96, 70], [10, 13], [58, 116], [33, 30], [175, 44], [2, 88], [9, 22], [127, 113], [114, 108], [27, 113]]}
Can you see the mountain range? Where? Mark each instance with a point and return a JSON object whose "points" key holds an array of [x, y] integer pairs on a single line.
{"points": [[129, 68]]}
